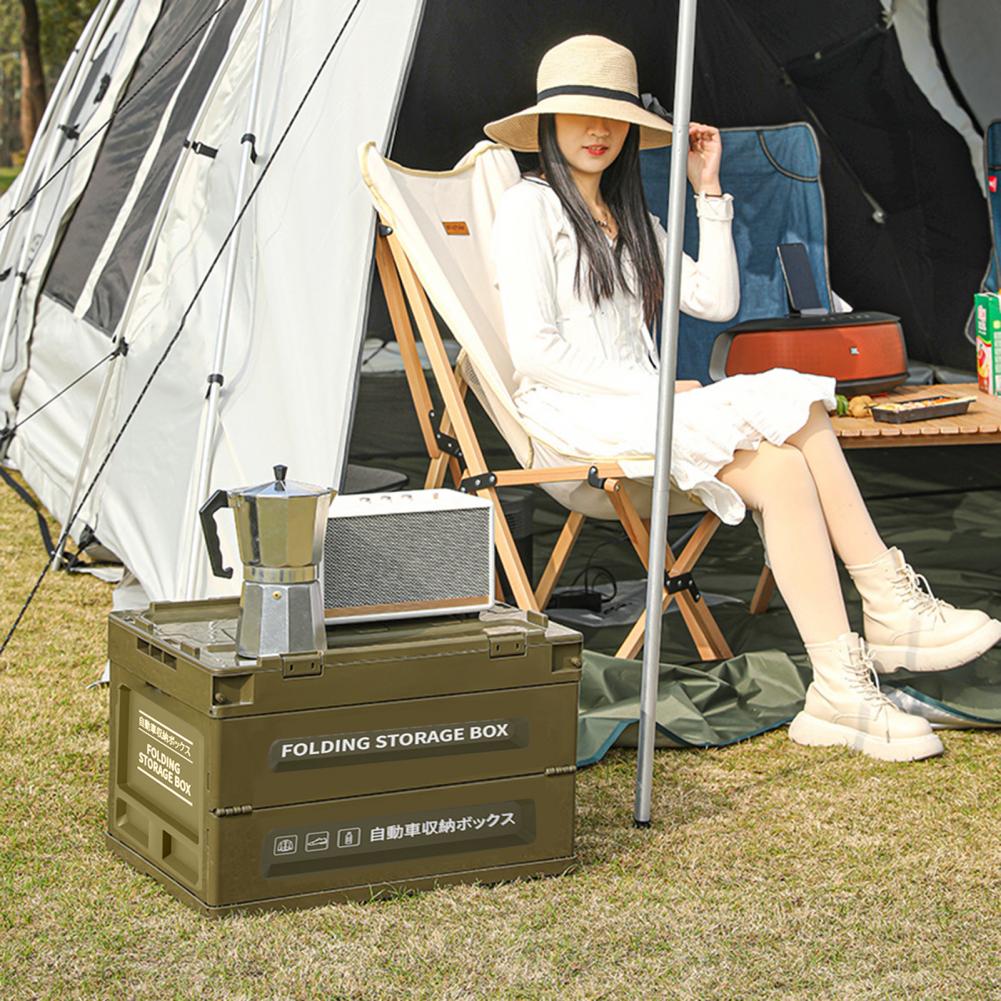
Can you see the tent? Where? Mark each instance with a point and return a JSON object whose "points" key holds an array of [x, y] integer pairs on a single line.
{"points": [[102, 267]]}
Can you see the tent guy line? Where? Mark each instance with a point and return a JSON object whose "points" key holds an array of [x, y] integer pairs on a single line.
{"points": [[6, 433], [14, 213], [64, 535]]}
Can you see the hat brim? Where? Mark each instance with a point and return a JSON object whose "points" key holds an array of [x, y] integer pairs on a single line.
{"points": [[521, 131]]}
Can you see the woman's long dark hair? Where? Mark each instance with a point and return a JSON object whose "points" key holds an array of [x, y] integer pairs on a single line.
{"points": [[599, 265]]}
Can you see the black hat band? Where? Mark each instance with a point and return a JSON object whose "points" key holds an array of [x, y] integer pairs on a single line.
{"points": [[573, 88]]}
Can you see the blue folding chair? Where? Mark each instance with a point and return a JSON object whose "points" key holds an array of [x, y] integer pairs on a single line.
{"points": [[773, 174]]}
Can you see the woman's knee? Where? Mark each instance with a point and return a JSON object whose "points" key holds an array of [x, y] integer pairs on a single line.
{"points": [[817, 422], [781, 476]]}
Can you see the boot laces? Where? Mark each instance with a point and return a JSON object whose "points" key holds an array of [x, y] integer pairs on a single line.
{"points": [[865, 678], [916, 590]]}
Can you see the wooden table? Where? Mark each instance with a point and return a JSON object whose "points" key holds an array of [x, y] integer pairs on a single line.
{"points": [[980, 425]]}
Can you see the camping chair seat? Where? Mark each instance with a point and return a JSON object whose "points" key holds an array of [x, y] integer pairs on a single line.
{"points": [[433, 247]]}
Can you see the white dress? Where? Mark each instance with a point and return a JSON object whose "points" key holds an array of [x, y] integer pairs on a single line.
{"points": [[587, 376]]}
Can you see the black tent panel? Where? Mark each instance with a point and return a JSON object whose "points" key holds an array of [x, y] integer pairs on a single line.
{"points": [[113, 285], [476, 61], [158, 71], [920, 248]]}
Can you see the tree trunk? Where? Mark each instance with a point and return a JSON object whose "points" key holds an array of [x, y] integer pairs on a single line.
{"points": [[32, 76]]}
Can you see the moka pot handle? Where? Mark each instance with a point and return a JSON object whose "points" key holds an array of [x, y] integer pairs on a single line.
{"points": [[207, 513]]}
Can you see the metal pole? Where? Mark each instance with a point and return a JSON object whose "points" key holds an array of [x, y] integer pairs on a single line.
{"points": [[665, 410], [204, 451]]}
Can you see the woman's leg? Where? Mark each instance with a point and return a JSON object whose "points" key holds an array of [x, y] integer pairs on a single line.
{"points": [[853, 534], [843, 706], [777, 482]]}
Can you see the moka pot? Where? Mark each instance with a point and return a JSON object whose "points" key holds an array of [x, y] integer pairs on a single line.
{"points": [[280, 528]]}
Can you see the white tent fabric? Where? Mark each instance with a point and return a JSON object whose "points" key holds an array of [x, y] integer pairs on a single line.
{"points": [[971, 41], [298, 303]]}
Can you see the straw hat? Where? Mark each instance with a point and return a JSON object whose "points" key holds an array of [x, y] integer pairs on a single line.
{"points": [[585, 75]]}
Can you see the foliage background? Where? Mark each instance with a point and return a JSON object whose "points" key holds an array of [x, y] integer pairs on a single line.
{"points": [[61, 24]]}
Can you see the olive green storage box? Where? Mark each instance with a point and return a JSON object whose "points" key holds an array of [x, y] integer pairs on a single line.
{"points": [[409, 755]]}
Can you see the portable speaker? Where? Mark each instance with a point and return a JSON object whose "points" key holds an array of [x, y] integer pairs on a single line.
{"points": [[407, 554], [865, 352]]}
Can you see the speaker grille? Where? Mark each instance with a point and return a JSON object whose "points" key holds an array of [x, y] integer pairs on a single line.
{"points": [[408, 556]]}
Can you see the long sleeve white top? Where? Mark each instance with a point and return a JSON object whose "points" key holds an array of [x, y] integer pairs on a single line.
{"points": [[587, 382], [561, 340]]}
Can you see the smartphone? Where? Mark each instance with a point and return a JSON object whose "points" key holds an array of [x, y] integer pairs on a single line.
{"points": [[800, 286]]}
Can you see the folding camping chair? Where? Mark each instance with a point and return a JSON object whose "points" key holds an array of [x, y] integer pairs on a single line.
{"points": [[433, 247]]}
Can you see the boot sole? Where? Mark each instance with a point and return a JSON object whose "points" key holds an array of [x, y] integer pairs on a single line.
{"points": [[813, 732], [891, 658]]}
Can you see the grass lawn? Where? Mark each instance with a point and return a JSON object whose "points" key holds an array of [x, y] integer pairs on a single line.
{"points": [[7, 175], [771, 871]]}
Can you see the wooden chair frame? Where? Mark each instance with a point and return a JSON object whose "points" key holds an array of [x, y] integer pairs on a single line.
{"points": [[402, 287]]}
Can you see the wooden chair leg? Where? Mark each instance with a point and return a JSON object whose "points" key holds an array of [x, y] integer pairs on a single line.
{"points": [[706, 633], [763, 592], [633, 642], [517, 577], [701, 624], [558, 558]]}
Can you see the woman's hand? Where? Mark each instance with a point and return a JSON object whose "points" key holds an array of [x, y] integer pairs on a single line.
{"points": [[684, 385], [705, 148]]}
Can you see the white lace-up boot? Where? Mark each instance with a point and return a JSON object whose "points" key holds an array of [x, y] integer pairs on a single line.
{"points": [[907, 626], [844, 707]]}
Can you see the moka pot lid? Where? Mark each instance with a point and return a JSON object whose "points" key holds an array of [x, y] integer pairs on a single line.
{"points": [[279, 487]]}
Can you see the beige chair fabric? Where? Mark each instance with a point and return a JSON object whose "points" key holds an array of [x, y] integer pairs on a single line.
{"points": [[443, 221]]}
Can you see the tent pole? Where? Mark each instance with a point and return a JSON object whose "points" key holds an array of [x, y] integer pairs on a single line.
{"points": [[68, 75], [204, 450], [665, 410]]}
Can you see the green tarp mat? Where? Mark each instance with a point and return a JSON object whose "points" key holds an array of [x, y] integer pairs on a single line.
{"points": [[717, 704], [696, 706], [940, 504]]}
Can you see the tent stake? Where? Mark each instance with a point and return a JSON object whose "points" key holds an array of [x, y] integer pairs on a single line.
{"points": [[207, 431], [665, 410]]}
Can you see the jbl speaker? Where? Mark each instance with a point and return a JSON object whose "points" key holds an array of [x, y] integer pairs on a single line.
{"points": [[864, 351], [407, 554]]}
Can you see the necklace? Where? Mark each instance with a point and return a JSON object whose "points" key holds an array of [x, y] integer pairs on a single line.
{"points": [[605, 224]]}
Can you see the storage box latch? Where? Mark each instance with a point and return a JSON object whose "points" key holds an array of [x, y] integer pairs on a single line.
{"points": [[302, 665], [507, 642]]}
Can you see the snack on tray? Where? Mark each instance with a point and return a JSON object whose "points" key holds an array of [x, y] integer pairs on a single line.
{"points": [[857, 406], [925, 408]]}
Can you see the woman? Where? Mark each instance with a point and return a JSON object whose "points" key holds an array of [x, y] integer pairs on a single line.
{"points": [[578, 262]]}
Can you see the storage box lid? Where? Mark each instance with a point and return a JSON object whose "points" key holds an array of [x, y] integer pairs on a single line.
{"points": [[188, 649]]}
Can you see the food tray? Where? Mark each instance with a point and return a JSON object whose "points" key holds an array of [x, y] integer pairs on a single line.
{"points": [[923, 409]]}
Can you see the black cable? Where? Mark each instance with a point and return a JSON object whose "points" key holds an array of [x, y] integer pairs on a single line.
{"points": [[180, 328], [114, 114]]}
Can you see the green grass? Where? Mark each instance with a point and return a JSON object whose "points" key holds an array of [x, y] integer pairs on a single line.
{"points": [[7, 175], [772, 870]]}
